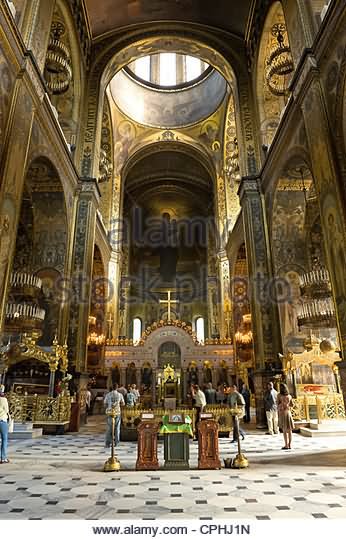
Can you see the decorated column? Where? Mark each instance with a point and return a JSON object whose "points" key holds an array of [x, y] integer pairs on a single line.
{"points": [[263, 304], [81, 285]]}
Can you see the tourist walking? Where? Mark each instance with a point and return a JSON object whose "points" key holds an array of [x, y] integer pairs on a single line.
{"points": [[286, 423], [271, 409], [4, 417], [245, 392], [113, 400], [236, 401]]}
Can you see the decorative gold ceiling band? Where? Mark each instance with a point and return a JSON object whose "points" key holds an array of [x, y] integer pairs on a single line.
{"points": [[164, 44]]}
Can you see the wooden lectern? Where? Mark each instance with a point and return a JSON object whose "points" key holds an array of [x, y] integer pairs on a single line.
{"points": [[147, 444], [208, 443], [176, 428]]}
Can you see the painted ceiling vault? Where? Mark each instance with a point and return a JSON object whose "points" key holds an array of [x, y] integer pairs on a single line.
{"points": [[109, 15]]}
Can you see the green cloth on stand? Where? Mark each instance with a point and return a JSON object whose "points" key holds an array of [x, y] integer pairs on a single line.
{"points": [[176, 428]]}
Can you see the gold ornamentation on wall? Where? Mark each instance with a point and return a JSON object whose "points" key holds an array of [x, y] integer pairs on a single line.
{"points": [[39, 409], [131, 416]]}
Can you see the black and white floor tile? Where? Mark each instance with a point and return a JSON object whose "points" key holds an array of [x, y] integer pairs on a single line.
{"points": [[61, 477]]}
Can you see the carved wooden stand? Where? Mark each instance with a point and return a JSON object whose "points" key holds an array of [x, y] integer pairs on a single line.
{"points": [[208, 445], [176, 451], [147, 446]]}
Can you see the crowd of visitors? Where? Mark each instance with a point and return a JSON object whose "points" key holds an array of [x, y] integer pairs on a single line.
{"points": [[277, 407]]}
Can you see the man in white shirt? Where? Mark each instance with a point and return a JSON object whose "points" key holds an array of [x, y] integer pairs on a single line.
{"points": [[236, 401], [200, 403], [113, 400]]}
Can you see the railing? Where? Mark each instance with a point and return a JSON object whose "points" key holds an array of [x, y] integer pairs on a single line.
{"points": [[314, 407], [131, 416], [39, 409]]}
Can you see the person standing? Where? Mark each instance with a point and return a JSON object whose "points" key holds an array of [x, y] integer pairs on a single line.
{"points": [[245, 392], [130, 399], [210, 394], [270, 405], [122, 391], [199, 404], [285, 416], [136, 393], [236, 401], [4, 414], [88, 401], [113, 400], [220, 394]]}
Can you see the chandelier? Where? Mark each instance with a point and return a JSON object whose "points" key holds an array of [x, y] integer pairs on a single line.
{"points": [[244, 335], [58, 72], [23, 312], [317, 308], [279, 63], [96, 339], [92, 320]]}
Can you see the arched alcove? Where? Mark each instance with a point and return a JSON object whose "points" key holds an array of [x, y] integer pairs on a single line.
{"points": [[41, 245], [168, 210], [299, 257]]}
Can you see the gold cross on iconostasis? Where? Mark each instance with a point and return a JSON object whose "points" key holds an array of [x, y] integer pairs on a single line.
{"points": [[169, 302]]}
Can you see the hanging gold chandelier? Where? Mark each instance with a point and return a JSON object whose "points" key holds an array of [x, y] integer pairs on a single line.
{"points": [[279, 63], [316, 309], [96, 339], [58, 71], [244, 335]]}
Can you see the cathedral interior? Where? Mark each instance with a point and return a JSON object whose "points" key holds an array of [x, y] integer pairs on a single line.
{"points": [[192, 157]]}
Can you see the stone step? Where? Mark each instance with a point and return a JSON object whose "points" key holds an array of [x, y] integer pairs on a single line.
{"points": [[323, 432], [34, 433], [27, 426]]}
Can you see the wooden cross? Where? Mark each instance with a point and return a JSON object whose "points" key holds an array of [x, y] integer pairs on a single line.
{"points": [[169, 302]]}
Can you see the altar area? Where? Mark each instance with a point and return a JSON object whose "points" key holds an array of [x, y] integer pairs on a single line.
{"points": [[166, 361]]}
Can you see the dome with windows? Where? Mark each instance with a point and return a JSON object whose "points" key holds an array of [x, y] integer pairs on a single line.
{"points": [[168, 90], [169, 70]]}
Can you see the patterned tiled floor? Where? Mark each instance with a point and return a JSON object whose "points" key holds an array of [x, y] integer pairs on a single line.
{"points": [[62, 478]]}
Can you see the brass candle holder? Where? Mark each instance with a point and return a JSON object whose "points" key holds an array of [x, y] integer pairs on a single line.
{"points": [[112, 464], [240, 461]]}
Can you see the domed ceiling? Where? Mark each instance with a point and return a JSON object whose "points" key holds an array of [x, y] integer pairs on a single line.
{"points": [[109, 15]]}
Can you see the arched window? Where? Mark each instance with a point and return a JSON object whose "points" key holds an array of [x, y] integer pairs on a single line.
{"points": [[136, 330], [200, 329]]}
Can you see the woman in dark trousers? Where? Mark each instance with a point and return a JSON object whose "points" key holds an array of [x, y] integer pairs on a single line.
{"points": [[245, 392]]}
